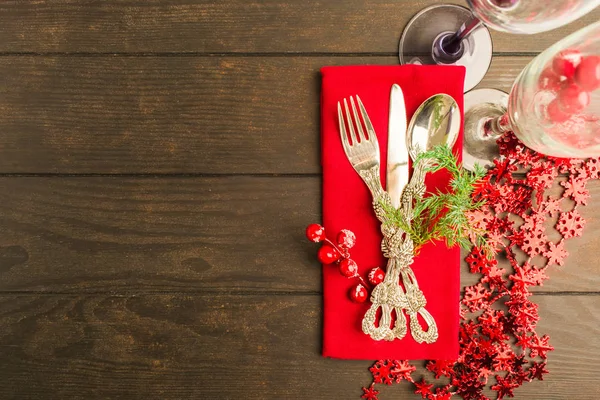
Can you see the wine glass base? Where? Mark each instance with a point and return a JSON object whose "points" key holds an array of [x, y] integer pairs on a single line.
{"points": [[416, 43], [479, 146]]}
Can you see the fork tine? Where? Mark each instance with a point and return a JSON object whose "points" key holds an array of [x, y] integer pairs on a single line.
{"points": [[359, 128], [368, 124], [343, 132], [353, 136]]}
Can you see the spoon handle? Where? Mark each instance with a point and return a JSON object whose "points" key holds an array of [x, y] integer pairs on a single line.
{"points": [[416, 299]]}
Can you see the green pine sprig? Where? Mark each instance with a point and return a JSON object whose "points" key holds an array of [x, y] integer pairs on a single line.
{"points": [[443, 216]]}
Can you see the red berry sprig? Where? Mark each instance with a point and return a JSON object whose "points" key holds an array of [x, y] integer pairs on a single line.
{"points": [[339, 253]]}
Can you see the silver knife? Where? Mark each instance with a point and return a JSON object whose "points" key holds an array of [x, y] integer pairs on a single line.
{"points": [[397, 156]]}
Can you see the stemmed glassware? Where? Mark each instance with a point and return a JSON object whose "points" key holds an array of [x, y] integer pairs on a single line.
{"points": [[453, 35], [553, 107]]}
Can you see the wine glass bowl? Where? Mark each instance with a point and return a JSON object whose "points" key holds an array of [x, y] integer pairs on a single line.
{"points": [[529, 17], [553, 107]]}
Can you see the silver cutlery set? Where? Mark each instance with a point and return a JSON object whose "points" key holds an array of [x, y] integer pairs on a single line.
{"points": [[437, 121]]}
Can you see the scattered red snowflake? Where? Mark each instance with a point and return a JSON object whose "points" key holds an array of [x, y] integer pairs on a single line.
{"points": [[551, 206], [540, 346], [476, 297], [504, 387], [440, 394], [592, 167], [576, 190], [570, 224], [382, 372], [542, 178], [499, 346], [423, 388], [370, 393], [479, 262], [556, 253], [441, 367], [403, 370], [537, 371], [527, 275]]}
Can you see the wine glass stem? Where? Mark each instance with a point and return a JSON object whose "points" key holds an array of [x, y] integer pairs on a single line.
{"points": [[452, 44], [497, 126], [448, 47]]}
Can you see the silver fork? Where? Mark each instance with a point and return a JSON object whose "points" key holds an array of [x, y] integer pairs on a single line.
{"points": [[397, 247], [363, 154]]}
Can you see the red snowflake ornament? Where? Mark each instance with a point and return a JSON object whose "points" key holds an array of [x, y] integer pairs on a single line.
{"points": [[540, 346], [556, 253], [542, 178], [423, 388], [592, 167], [441, 367], [537, 371], [551, 206], [576, 190], [440, 394], [570, 224], [504, 387], [527, 275], [382, 372], [370, 393], [476, 297], [403, 370]]}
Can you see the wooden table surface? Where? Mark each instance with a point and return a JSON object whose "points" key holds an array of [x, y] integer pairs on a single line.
{"points": [[159, 160]]}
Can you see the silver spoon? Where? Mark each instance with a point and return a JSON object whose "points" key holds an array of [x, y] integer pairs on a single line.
{"points": [[436, 122]]}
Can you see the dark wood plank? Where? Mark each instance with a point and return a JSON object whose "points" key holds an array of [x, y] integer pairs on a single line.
{"points": [[225, 26], [87, 234], [126, 235], [228, 347], [170, 115]]}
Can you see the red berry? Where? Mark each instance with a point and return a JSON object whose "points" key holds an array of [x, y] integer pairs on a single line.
{"points": [[359, 294], [549, 80], [376, 276], [555, 114], [346, 239], [315, 233], [348, 268], [328, 254], [565, 63], [572, 99], [587, 74]]}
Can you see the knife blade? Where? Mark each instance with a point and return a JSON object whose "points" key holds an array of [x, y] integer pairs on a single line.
{"points": [[397, 156]]}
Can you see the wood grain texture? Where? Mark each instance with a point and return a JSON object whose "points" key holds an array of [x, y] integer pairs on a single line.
{"points": [[225, 26], [124, 235], [171, 115], [229, 347]]}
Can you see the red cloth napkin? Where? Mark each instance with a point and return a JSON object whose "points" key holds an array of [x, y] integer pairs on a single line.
{"points": [[347, 204]]}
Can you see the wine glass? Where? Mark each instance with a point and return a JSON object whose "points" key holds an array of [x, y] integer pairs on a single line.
{"points": [[553, 107], [454, 35]]}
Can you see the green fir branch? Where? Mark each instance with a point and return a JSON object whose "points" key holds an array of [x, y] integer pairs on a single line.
{"points": [[443, 216]]}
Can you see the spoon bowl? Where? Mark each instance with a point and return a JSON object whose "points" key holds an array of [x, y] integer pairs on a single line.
{"points": [[436, 122]]}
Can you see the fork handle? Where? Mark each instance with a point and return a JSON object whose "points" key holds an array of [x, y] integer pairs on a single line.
{"points": [[372, 177]]}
